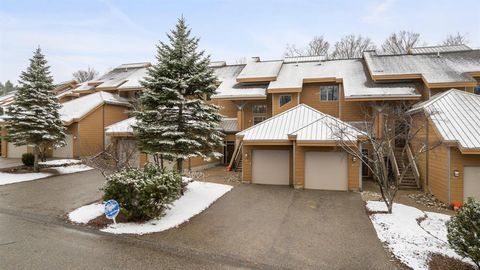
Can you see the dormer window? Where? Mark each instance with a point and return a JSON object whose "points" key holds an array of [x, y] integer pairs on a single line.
{"points": [[284, 99], [329, 92]]}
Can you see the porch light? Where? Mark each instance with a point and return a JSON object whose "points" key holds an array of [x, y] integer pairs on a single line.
{"points": [[354, 159], [456, 173], [74, 137]]}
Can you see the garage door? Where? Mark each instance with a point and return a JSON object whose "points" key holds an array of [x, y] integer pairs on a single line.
{"points": [[15, 151], [471, 182], [67, 150], [271, 167], [326, 170]]}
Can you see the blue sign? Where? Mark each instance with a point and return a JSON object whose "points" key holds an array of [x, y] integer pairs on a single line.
{"points": [[111, 209]]}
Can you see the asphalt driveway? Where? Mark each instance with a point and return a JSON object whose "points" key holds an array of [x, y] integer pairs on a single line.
{"points": [[284, 227]]}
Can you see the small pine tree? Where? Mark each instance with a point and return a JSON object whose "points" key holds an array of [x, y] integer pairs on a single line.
{"points": [[464, 231], [174, 121], [33, 119]]}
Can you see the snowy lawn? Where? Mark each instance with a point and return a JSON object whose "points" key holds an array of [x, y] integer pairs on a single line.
{"points": [[60, 162], [10, 178], [411, 234], [198, 197]]}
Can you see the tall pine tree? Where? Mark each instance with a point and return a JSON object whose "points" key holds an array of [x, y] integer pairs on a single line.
{"points": [[33, 119], [175, 122]]}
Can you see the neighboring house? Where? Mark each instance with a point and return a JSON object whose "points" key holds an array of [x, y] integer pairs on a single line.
{"points": [[451, 171], [85, 119]]}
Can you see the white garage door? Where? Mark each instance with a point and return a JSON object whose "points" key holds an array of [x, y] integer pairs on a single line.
{"points": [[471, 182], [271, 167], [16, 151], [67, 150], [326, 170]]}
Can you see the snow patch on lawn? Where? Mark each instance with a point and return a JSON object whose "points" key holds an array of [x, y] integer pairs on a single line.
{"points": [[409, 241], [198, 197], [86, 213], [59, 162], [10, 178]]}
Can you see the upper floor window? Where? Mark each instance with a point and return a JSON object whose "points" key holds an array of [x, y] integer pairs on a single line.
{"points": [[284, 99], [476, 90], [259, 108], [329, 92]]}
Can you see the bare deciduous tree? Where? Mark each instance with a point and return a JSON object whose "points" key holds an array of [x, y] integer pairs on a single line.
{"points": [[398, 131], [241, 60], [317, 46], [116, 156], [352, 46], [455, 39], [85, 75], [401, 42]]}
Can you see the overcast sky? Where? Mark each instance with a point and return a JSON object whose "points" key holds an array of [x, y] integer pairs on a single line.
{"points": [[106, 33]]}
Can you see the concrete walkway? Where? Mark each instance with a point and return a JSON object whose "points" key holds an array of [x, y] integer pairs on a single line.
{"points": [[6, 163]]}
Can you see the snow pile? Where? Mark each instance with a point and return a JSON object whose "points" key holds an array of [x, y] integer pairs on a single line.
{"points": [[86, 213], [408, 239], [10, 178], [198, 197], [60, 162]]}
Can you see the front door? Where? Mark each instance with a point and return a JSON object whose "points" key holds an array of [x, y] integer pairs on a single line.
{"points": [[228, 150]]}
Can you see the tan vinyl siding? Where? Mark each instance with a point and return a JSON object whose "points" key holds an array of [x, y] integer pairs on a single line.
{"points": [[276, 102], [227, 107], [310, 95]]}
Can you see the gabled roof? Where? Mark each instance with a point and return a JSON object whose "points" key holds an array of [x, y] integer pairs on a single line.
{"points": [[303, 121], [456, 116], [437, 49], [76, 109]]}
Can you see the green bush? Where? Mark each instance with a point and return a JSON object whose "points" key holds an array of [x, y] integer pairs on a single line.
{"points": [[28, 159], [143, 194], [464, 231]]}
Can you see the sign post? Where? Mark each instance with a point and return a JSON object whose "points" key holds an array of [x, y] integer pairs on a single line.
{"points": [[112, 208]]}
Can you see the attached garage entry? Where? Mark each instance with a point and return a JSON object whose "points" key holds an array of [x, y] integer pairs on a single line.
{"points": [[67, 150], [16, 151], [271, 167], [326, 170], [471, 182]]}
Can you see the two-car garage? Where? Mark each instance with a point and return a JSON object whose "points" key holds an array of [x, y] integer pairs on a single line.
{"points": [[324, 170]]}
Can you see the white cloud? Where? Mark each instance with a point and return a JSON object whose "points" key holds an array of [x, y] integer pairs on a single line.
{"points": [[378, 12]]}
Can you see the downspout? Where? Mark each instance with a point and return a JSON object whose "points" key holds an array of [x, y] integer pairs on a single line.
{"points": [[340, 101], [294, 169], [360, 177], [449, 176]]}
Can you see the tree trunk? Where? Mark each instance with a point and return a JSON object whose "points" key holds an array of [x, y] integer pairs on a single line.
{"points": [[161, 162], [35, 160], [179, 165]]}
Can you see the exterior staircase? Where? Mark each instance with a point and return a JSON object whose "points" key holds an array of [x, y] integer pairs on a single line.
{"points": [[409, 181], [236, 162], [238, 165]]}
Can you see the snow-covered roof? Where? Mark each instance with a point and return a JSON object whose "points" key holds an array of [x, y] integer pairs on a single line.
{"points": [[298, 59], [121, 128], [448, 67], [437, 49], [229, 125], [229, 88], [123, 77], [7, 99], [303, 121], [264, 71], [353, 74], [76, 109], [456, 116]]}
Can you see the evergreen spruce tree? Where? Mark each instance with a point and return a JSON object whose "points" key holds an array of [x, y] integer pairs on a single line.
{"points": [[175, 122], [33, 119]]}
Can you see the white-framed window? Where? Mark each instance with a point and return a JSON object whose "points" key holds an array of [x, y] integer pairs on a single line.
{"points": [[258, 119], [259, 109], [329, 92], [284, 99], [259, 113]]}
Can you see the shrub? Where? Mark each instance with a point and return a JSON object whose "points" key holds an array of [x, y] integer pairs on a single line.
{"points": [[464, 231], [143, 194], [28, 159]]}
